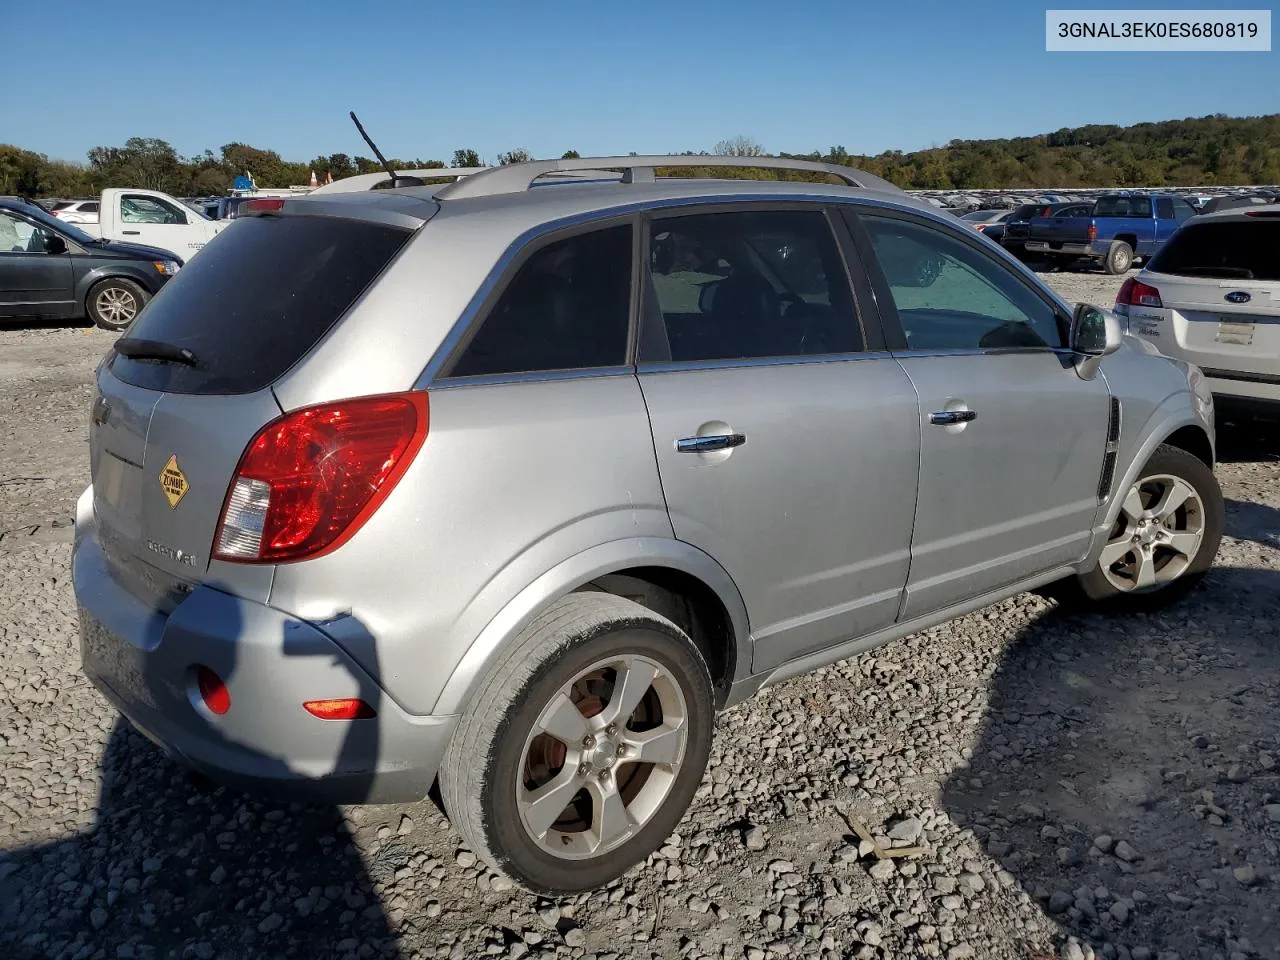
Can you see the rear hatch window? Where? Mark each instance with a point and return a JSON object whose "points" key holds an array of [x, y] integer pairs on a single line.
{"points": [[256, 300], [1230, 249]]}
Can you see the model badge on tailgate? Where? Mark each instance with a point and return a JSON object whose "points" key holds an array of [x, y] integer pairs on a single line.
{"points": [[173, 482]]}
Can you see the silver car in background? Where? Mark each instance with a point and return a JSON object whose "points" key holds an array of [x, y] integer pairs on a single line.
{"points": [[515, 481]]}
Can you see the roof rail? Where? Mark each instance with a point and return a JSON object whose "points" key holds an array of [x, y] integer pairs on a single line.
{"points": [[368, 181], [518, 177]]}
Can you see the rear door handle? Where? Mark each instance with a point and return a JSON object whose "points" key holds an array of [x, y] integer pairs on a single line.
{"points": [[724, 441], [131, 233], [945, 418]]}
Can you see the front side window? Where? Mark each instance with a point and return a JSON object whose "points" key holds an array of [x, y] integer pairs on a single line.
{"points": [[135, 208], [567, 308], [743, 285], [19, 236], [951, 296]]}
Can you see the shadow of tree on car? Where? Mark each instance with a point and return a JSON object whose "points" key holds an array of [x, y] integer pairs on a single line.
{"points": [[177, 867], [1122, 770]]}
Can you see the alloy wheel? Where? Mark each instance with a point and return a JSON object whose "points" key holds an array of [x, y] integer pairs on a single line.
{"points": [[117, 306], [602, 757], [1156, 537]]}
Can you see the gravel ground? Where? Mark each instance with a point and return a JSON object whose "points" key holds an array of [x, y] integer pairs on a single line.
{"points": [[1082, 786]]}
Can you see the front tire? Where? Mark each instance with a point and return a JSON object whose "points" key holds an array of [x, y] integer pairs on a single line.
{"points": [[1164, 538], [581, 750], [113, 304]]}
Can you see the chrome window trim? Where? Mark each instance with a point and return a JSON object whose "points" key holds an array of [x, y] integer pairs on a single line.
{"points": [[678, 366], [489, 379], [429, 377]]}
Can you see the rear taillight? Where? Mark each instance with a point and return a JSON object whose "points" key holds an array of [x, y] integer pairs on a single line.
{"points": [[1262, 213], [1136, 293], [979, 227], [261, 205], [309, 480], [1093, 231]]}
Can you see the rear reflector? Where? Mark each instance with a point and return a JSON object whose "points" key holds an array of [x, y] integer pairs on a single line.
{"points": [[345, 709], [213, 691], [309, 480]]}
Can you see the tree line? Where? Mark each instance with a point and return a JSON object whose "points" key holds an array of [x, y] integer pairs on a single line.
{"points": [[1197, 151]]}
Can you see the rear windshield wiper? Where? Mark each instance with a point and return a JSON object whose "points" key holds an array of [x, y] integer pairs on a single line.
{"points": [[1241, 272], [137, 349]]}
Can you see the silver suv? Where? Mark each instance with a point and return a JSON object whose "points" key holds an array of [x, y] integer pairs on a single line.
{"points": [[514, 482]]}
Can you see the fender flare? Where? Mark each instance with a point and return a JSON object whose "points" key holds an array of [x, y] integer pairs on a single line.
{"points": [[110, 272], [567, 576]]}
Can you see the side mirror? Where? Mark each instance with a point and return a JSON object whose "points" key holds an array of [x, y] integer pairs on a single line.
{"points": [[1095, 333], [54, 244]]}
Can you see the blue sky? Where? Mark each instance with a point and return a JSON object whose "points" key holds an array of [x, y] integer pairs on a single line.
{"points": [[600, 77]]}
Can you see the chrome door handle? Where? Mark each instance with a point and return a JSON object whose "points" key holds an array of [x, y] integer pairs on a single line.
{"points": [[945, 418], [725, 441]]}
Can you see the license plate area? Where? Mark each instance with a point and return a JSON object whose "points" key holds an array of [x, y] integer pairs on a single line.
{"points": [[1235, 330]]}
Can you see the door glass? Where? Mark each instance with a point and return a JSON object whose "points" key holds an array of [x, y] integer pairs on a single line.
{"points": [[951, 296], [18, 236], [568, 308], [1183, 210], [742, 285], [1164, 208], [139, 209]]}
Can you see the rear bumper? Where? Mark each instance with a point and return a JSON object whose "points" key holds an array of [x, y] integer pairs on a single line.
{"points": [[1257, 388], [145, 663], [1093, 248]]}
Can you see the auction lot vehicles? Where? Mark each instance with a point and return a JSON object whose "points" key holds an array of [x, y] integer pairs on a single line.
{"points": [[153, 218], [1120, 227], [1212, 297], [52, 269], [1018, 227], [76, 211], [519, 485]]}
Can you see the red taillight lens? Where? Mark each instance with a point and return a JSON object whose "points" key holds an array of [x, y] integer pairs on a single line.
{"points": [[1093, 231], [311, 479], [1136, 293], [1262, 213], [261, 205], [348, 708], [213, 691]]}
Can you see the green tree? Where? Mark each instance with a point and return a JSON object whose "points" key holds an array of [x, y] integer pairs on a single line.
{"points": [[142, 162], [738, 147], [518, 155], [571, 155], [466, 158]]}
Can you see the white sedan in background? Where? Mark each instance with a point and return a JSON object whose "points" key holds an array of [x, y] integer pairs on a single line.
{"points": [[1211, 296]]}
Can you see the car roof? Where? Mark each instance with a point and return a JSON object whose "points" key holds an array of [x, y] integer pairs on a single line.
{"points": [[1251, 214]]}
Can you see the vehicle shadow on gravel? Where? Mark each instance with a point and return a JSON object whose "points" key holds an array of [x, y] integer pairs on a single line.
{"points": [[178, 867], [1124, 768]]}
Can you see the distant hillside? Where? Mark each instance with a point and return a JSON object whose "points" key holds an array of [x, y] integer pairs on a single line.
{"points": [[1195, 152]]}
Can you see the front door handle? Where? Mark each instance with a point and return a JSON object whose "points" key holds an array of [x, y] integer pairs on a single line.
{"points": [[724, 441], [131, 233], [946, 418]]}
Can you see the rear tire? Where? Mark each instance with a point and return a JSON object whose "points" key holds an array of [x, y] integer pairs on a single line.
{"points": [[1165, 537], [113, 304], [1119, 258], [566, 811]]}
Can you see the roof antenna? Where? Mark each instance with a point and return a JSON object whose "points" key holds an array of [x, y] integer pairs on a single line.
{"points": [[376, 152]]}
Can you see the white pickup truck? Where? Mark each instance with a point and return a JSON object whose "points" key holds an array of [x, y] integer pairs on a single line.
{"points": [[155, 219]]}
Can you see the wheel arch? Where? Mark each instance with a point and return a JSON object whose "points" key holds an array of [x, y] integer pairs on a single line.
{"points": [[1130, 238], [1177, 429], [668, 576], [85, 285]]}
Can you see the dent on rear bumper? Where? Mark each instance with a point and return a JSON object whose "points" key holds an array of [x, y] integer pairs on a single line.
{"points": [[144, 662]]}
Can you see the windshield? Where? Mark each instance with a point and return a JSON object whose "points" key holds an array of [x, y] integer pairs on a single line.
{"points": [[60, 226], [1249, 250]]}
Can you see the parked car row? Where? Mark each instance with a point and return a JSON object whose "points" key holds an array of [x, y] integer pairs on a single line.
{"points": [[284, 599]]}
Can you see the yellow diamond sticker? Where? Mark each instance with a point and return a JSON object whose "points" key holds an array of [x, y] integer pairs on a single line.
{"points": [[173, 482]]}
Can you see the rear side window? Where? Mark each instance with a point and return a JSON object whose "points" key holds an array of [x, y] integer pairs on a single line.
{"points": [[729, 286], [256, 299], [91, 207], [1164, 208], [1240, 249], [567, 308], [1122, 207]]}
